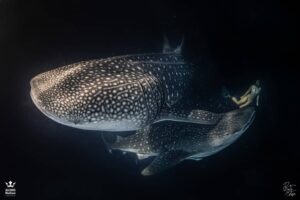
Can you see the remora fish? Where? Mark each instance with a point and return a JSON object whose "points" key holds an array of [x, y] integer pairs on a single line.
{"points": [[172, 143], [122, 93]]}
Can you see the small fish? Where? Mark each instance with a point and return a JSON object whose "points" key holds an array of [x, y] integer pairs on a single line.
{"points": [[172, 143], [123, 93]]}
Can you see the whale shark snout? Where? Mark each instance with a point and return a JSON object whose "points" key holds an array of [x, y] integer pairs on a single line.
{"points": [[36, 85], [38, 93], [51, 94]]}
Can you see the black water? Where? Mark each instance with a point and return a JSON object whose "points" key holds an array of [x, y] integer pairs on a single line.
{"points": [[233, 43]]}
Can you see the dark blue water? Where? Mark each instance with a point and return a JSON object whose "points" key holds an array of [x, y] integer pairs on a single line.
{"points": [[233, 43]]}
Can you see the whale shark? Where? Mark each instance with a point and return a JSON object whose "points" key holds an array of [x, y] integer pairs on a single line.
{"points": [[171, 143], [121, 93]]}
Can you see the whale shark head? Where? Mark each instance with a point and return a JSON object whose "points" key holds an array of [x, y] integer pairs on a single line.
{"points": [[85, 96]]}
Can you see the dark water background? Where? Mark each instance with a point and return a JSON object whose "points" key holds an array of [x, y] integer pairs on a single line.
{"points": [[233, 43]]}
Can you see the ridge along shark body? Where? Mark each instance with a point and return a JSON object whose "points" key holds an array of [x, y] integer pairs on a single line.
{"points": [[172, 143], [122, 93]]}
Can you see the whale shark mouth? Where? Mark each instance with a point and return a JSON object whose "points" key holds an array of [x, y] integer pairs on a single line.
{"points": [[37, 103], [43, 110], [105, 125]]}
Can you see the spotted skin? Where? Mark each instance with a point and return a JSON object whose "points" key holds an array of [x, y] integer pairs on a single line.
{"points": [[120, 93], [172, 143]]}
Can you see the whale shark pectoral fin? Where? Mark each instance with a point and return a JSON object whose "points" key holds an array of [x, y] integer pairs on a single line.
{"points": [[142, 156], [197, 156], [164, 161], [194, 116], [194, 158], [204, 117]]}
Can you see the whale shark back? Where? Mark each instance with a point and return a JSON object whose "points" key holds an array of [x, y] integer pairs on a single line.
{"points": [[169, 69]]}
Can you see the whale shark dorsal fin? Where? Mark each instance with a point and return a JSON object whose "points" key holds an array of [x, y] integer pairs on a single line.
{"points": [[178, 49], [164, 161], [167, 47]]}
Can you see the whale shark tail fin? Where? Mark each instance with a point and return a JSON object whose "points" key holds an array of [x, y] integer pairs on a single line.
{"points": [[168, 49]]}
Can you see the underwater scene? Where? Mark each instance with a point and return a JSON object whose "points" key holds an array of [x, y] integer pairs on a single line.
{"points": [[145, 100]]}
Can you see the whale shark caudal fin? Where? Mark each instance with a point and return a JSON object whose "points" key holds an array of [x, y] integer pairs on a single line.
{"points": [[167, 47], [164, 161], [194, 116]]}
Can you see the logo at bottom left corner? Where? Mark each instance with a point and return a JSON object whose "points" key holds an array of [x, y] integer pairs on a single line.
{"points": [[10, 190]]}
